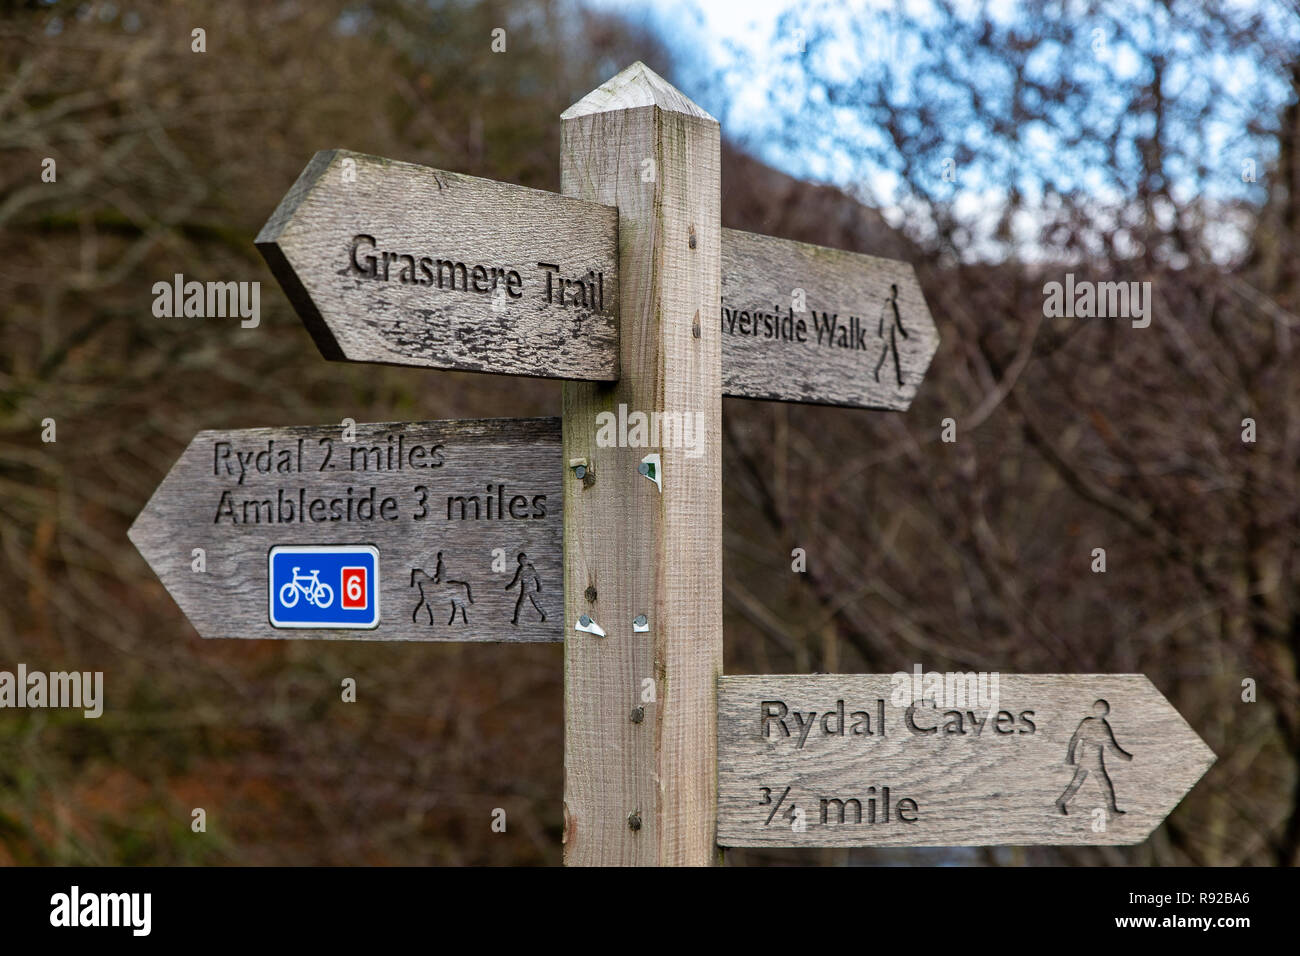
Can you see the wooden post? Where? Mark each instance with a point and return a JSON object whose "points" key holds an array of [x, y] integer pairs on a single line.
{"points": [[641, 774]]}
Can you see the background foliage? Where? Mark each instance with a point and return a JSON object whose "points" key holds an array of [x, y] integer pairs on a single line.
{"points": [[973, 556]]}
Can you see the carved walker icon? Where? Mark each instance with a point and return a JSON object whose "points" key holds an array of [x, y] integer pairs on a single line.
{"points": [[1091, 740], [525, 573]]}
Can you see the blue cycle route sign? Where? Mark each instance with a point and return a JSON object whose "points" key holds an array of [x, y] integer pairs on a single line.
{"points": [[323, 585]]}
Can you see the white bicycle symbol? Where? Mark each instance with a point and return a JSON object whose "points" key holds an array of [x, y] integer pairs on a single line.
{"points": [[311, 587]]}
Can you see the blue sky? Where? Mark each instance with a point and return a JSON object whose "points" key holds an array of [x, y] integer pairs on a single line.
{"points": [[728, 54]]}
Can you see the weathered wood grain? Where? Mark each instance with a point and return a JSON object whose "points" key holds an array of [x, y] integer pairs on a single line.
{"points": [[631, 549], [800, 322], [869, 357], [348, 209], [230, 598], [994, 783]]}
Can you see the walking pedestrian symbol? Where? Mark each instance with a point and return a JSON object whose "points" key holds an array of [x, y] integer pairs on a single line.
{"points": [[891, 318], [1092, 738], [530, 585]]}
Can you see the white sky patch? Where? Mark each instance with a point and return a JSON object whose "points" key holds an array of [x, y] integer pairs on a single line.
{"points": [[735, 57]]}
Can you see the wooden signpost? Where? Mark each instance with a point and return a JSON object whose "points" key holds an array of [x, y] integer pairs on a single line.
{"points": [[463, 521], [805, 323], [402, 264], [872, 760], [628, 288], [406, 265], [640, 544]]}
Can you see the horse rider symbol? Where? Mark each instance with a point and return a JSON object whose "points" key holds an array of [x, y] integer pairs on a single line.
{"points": [[440, 588]]}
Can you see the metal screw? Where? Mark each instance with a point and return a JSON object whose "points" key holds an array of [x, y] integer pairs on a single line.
{"points": [[634, 819], [638, 714], [640, 624], [588, 626], [580, 472], [590, 594]]}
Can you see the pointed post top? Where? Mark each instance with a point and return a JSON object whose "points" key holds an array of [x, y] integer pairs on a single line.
{"points": [[638, 85]]}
